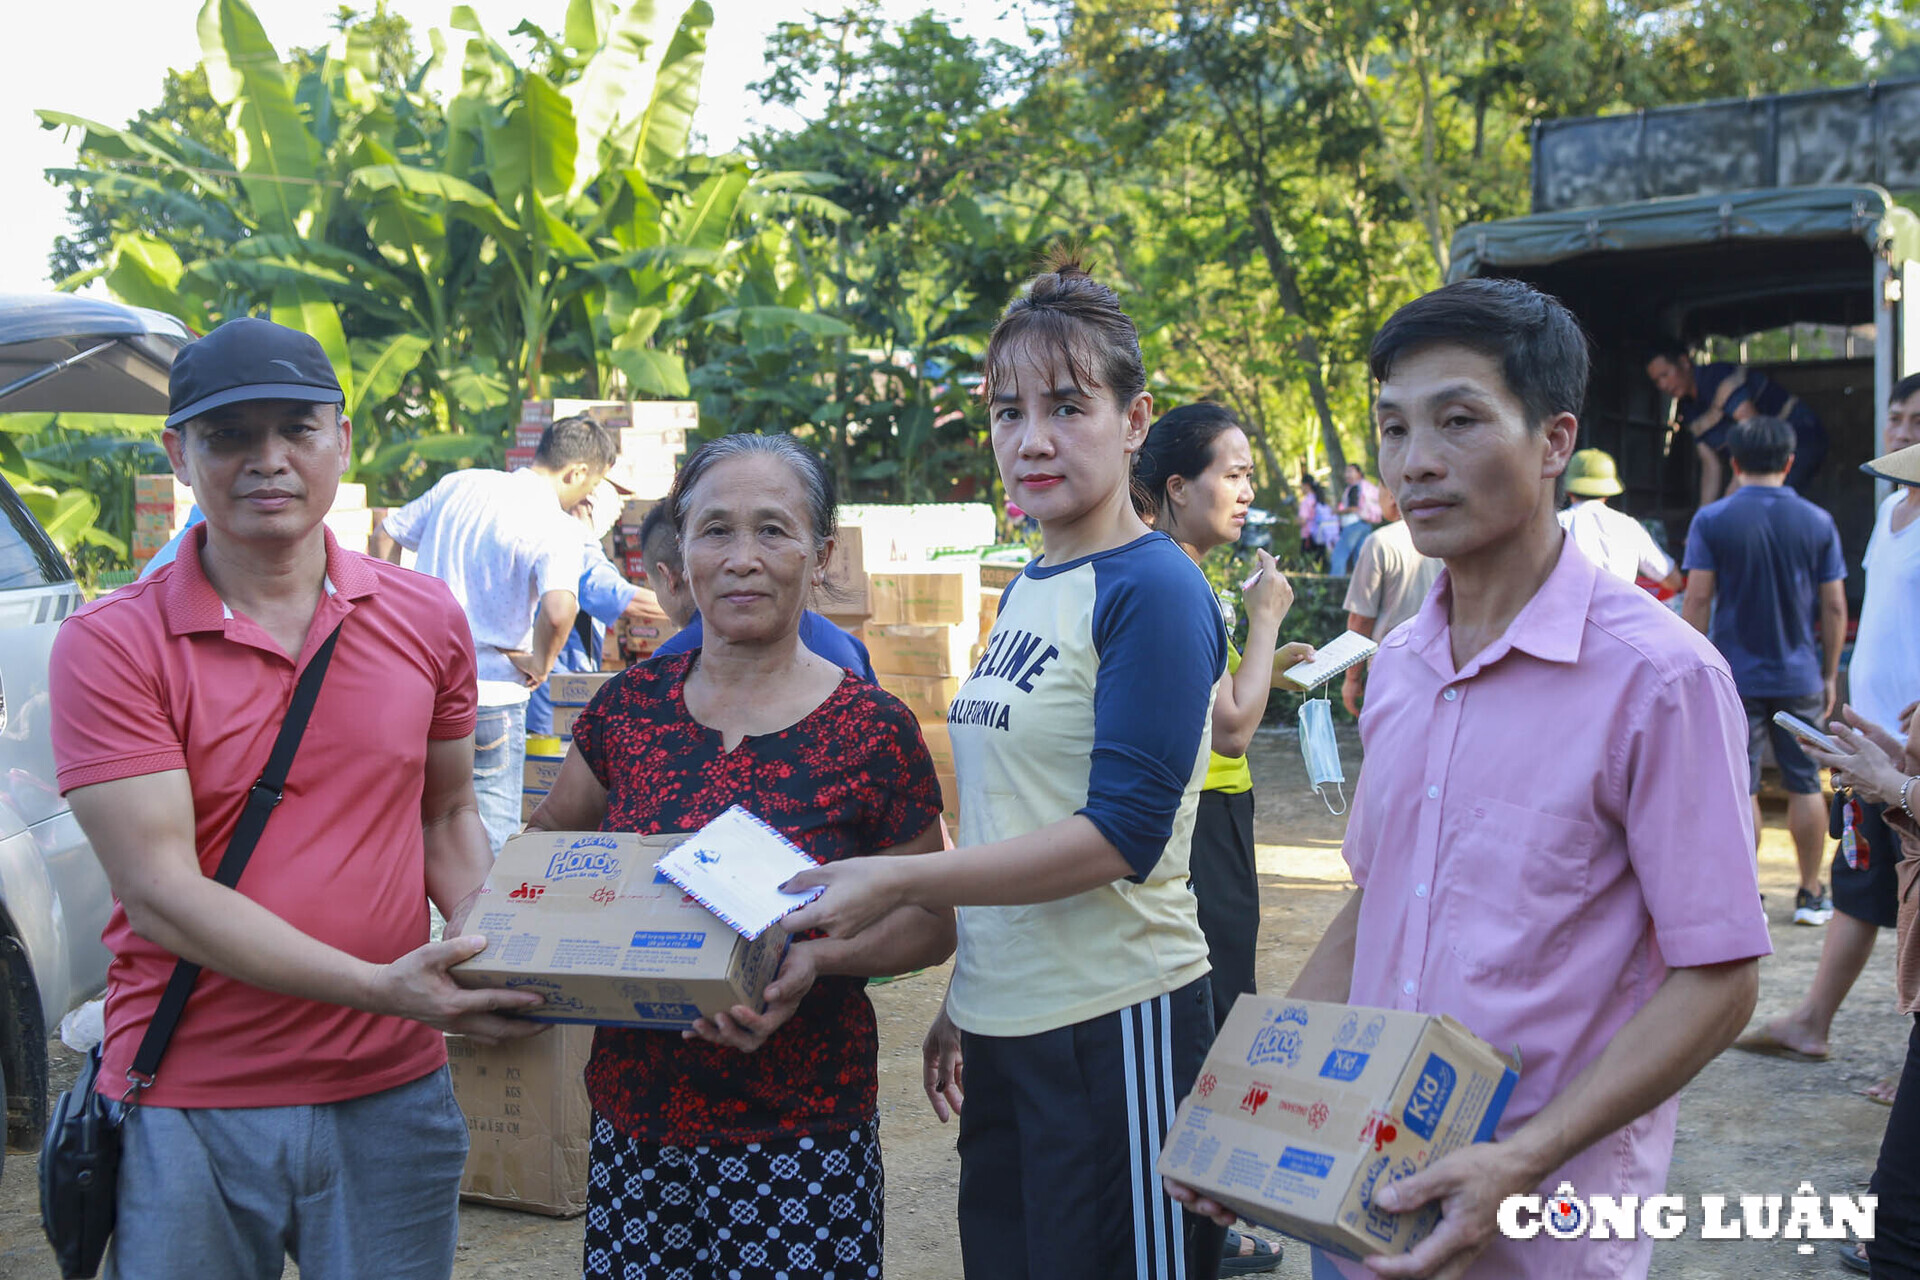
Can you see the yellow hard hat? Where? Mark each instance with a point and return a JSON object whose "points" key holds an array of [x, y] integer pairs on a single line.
{"points": [[1591, 474]]}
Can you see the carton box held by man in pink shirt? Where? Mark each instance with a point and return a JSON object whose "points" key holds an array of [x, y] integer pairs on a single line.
{"points": [[1303, 1110]]}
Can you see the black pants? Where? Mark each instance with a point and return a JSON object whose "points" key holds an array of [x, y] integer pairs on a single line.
{"points": [[1227, 889], [1058, 1142], [1894, 1250]]}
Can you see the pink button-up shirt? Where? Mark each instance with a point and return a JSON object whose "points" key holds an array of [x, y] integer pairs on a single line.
{"points": [[1541, 835]]}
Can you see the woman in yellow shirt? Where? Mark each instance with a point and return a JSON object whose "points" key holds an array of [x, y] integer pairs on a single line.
{"points": [[1196, 470]]}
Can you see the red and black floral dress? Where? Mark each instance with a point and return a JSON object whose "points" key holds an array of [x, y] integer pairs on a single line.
{"points": [[852, 777]]}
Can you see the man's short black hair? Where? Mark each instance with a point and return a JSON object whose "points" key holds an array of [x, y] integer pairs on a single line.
{"points": [[1670, 349], [659, 544], [1761, 446], [1540, 346], [570, 441], [1905, 389]]}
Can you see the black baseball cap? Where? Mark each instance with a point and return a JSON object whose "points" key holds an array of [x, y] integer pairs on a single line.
{"points": [[249, 359]]}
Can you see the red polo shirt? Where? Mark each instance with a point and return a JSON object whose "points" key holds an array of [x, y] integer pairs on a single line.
{"points": [[161, 676]]}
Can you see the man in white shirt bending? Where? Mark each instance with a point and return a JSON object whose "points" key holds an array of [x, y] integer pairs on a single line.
{"points": [[505, 545], [1614, 540]]}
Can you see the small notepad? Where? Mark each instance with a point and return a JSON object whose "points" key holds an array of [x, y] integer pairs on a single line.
{"points": [[1330, 659], [734, 867]]}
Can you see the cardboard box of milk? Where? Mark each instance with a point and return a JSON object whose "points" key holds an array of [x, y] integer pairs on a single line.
{"points": [[1303, 1110], [583, 918]]}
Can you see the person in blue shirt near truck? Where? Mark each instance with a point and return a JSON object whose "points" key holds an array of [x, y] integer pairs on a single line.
{"points": [[1709, 398]]}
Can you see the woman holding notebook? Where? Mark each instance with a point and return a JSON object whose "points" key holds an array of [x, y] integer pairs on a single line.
{"points": [[1079, 1001], [1194, 477], [747, 1145]]}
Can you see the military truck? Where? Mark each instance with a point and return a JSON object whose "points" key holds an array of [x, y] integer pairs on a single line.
{"points": [[1735, 221]]}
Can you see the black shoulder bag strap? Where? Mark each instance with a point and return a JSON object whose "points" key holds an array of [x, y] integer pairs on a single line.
{"points": [[261, 802]]}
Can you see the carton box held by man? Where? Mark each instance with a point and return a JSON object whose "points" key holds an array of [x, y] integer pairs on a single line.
{"points": [[583, 918], [1304, 1110]]}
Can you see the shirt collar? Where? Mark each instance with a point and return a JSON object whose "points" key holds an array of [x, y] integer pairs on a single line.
{"points": [[1550, 626], [193, 605]]}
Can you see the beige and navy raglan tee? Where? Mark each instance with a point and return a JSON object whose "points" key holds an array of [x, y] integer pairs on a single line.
{"points": [[1094, 697]]}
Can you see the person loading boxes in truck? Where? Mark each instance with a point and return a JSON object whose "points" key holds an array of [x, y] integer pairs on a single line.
{"points": [[1709, 398]]}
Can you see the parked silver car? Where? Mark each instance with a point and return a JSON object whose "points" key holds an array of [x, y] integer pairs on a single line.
{"points": [[80, 355]]}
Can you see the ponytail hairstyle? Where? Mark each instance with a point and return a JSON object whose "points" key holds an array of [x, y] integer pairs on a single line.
{"points": [[1180, 443]]}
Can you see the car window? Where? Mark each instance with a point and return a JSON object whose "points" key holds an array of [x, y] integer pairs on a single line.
{"points": [[28, 557]]}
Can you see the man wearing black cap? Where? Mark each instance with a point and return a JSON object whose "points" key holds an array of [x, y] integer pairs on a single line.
{"points": [[302, 1105]]}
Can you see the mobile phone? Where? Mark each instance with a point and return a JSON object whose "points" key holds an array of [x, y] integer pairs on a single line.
{"points": [[1801, 729]]}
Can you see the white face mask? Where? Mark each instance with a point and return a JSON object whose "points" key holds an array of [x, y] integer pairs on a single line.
{"points": [[1321, 752]]}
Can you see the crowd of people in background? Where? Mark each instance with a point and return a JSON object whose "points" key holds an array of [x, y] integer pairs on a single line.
{"points": [[1594, 906]]}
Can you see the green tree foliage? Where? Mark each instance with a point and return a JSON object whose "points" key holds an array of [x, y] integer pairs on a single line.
{"points": [[932, 226], [541, 232]]}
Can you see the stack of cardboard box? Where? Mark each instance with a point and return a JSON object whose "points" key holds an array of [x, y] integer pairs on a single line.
{"points": [[923, 631], [629, 641], [571, 691], [653, 435], [161, 505]]}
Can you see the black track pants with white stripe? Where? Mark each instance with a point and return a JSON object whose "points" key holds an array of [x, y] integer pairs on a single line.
{"points": [[1057, 1144]]}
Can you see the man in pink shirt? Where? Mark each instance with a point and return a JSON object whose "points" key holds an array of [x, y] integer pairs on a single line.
{"points": [[302, 1105], [1581, 891]]}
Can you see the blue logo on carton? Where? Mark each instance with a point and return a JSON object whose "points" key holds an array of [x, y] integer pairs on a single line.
{"points": [[1430, 1094], [1380, 1224], [1279, 1041], [666, 1013], [672, 941], [1312, 1163], [589, 857], [1344, 1064]]}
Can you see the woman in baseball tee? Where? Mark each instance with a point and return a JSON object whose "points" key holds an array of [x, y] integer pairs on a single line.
{"points": [[1079, 1001]]}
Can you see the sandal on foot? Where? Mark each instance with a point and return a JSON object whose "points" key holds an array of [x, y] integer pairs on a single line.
{"points": [[1882, 1091], [1265, 1255], [1853, 1258]]}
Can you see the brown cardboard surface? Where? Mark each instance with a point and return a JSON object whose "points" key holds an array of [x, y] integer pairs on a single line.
{"points": [[583, 918], [1303, 1109], [998, 576], [540, 772], [844, 590], [575, 688], [926, 696], [921, 651], [942, 594], [529, 1125], [563, 718], [161, 488]]}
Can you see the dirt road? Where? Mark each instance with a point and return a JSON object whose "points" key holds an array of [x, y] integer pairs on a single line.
{"points": [[1747, 1125]]}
